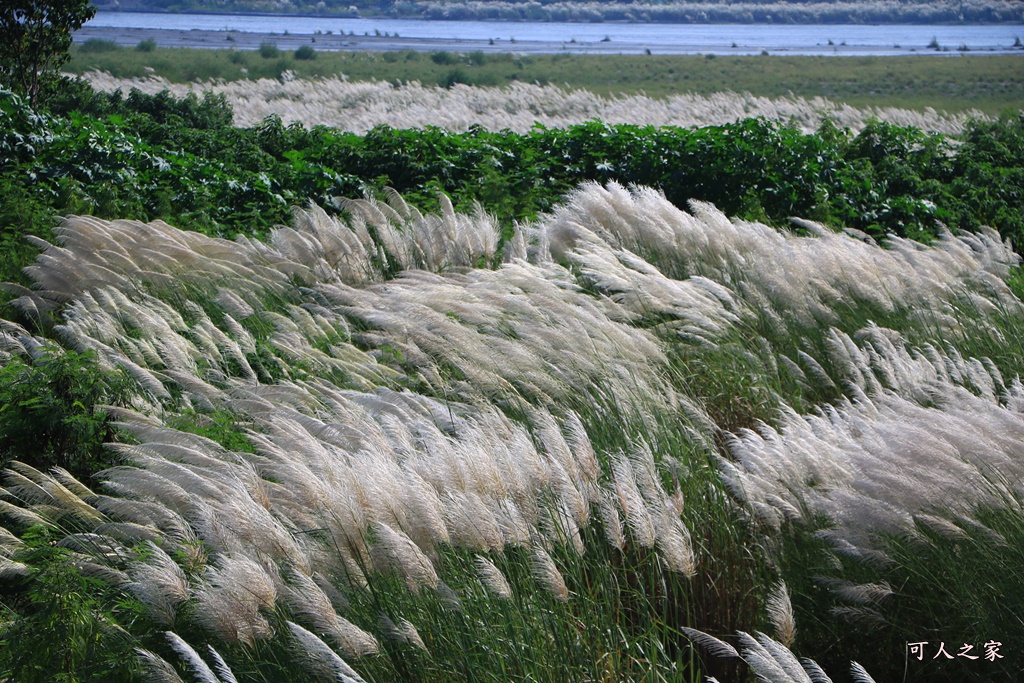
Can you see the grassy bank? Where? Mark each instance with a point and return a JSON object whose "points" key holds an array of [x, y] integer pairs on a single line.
{"points": [[993, 84]]}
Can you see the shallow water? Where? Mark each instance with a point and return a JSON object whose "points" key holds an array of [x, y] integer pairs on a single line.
{"points": [[609, 37]]}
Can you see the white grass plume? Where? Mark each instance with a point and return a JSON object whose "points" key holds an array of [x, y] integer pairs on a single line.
{"points": [[196, 665], [851, 461], [403, 632], [232, 598], [159, 584], [360, 106], [544, 570], [320, 660], [780, 613], [344, 444], [396, 552], [493, 578], [157, 669]]}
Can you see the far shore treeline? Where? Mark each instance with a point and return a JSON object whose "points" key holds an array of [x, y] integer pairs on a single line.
{"points": [[706, 12]]}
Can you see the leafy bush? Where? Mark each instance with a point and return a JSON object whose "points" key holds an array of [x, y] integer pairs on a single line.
{"points": [[147, 45], [66, 626], [456, 75], [97, 45], [269, 50], [444, 58], [48, 411], [35, 38], [305, 52]]}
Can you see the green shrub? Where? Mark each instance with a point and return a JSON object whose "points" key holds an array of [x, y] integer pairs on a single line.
{"points": [[456, 75], [48, 413], [147, 45], [444, 58], [305, 52], [268, 50], [65, 626], [96, 45]]}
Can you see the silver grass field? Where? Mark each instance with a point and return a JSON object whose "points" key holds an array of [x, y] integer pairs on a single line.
{"points": [[359, 106], [629, 442]]}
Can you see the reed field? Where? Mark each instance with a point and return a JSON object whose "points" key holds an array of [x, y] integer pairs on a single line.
{"points": [[362, 106], [946, 83], [296, 388], [397, 445]]}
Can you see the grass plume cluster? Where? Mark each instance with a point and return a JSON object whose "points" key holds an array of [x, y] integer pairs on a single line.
{"points": [[359, 106], [555, 455]]}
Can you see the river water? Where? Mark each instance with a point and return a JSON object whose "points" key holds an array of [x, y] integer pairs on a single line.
{"points": [[608, 37]]}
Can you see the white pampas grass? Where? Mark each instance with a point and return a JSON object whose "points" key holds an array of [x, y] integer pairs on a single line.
{"points": [[311, 604], [493, 578], [199, 668], [403, 632], [232, 598], [712, 645], [360, 106], [378, 406], [780, 613], [321, 660], [157, 669], [770, 660], [159, 584], [544, 570], [859, 674], [396, 552]]}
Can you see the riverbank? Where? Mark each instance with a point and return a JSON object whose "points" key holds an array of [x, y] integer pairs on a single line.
{"points": [[247, 32], [245, 40]]}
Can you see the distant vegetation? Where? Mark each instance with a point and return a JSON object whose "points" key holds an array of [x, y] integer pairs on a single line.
{"points": [[990, 83], [709, 11]]}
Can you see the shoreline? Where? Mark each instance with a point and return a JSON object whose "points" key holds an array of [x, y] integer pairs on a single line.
{"points": [[224, 39]]}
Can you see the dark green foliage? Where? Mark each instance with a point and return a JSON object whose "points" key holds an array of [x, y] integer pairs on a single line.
{"points": [[49, 414], [305, 52], [95, 45], [35, 36], [221, 426], [65, 627], [445, 58], [269, 50], [946, 589], [147, 45]]}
